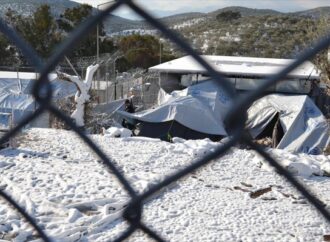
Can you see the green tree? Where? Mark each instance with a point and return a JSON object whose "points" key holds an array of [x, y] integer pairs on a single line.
{"points": [[140, 50], [72, 18], [39, 30], [4, 52], [228, 16], [44, 35]]}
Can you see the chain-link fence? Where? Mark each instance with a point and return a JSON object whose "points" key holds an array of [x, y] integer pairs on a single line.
{"points": [[234, 121], [110, 85]]}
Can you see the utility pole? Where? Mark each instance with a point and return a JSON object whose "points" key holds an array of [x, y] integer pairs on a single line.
{"points": [[160, 50], [98, 47]]}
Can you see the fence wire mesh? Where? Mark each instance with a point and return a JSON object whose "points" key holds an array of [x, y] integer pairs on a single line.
{"points": [[234, 121]]}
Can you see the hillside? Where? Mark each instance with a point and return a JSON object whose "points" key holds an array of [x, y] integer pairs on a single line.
{"points": [[187, 20], [246, 11], [116, 24], [315, 12], [278, 36], [27, 7], [112, 24]]}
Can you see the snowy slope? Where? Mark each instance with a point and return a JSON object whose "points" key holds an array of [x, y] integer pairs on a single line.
{"points": [[236, 198], [27, 7]]}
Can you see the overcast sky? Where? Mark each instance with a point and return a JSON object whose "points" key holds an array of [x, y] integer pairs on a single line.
{"points": [[162, 8]]}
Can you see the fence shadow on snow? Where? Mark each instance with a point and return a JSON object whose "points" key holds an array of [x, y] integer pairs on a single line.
{"points": [[234, 123]]}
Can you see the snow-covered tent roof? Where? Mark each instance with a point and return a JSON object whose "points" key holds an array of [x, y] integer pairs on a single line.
{"points": [[24, 75], [237, 65], [199, 107], [16, 94], [202, 107], [21, 84]]}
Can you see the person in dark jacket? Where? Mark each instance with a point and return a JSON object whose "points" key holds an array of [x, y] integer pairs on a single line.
{"points": [[129, 107]]}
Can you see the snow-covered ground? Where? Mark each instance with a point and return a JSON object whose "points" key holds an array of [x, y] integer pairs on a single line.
{"points": [[235, 198]]}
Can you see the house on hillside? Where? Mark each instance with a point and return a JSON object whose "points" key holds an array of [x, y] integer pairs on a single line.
{"points": [[17, 101]]}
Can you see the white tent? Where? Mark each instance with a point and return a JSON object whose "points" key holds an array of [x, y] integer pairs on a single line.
{"points": [[304, 126], [16, 94], [202, 108], [199, 108]]}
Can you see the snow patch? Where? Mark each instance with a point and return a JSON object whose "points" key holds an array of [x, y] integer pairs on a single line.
{"points": [[196, 148], [299, 165], [116, 132]]}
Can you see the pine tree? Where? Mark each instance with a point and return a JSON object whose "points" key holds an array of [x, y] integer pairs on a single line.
{"points": [[72, 18]]}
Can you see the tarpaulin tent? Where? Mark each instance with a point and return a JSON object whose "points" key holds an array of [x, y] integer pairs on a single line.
{"points": [[198, 112], [195, 112], [16, 94], [304, 127]]}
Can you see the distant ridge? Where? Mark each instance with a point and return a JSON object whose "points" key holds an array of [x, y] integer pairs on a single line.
{"points": [[315, 12], [117, 24], [247, 11], [184, 16]]}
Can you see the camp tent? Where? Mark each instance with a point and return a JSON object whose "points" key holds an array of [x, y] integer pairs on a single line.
{"points": [[16, 96], [303, 125], [198, 112], [193, 113]]}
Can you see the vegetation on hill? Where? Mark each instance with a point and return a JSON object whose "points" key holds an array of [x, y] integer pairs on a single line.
{"points": [[228, 16], [320, 12], [28, 7], [245, 11], [259, 36]]}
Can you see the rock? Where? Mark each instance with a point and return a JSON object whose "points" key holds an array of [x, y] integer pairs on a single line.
{"points": [[260, 192], [326, 237]]}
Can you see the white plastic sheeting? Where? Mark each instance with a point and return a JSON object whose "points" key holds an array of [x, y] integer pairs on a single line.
{"points": [[305, 128]]}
